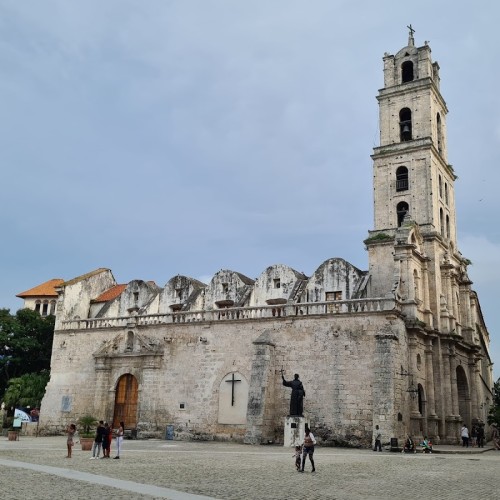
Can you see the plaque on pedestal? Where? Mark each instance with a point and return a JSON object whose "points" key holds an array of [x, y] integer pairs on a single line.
{"points": [[294, 430]]}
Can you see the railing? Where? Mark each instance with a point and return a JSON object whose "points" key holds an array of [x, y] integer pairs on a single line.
{"points": [[239, 313]]}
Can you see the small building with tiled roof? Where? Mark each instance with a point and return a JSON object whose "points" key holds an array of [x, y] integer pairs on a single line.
{"points": [[42, 298]]}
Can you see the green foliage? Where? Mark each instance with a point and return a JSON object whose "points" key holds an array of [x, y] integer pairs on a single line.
{"points": [[25, 344], [379, 237], [26, 390], [87, 422], [494, 414]]}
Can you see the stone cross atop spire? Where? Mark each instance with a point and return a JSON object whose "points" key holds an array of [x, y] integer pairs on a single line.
{"points": [[411, 40]]}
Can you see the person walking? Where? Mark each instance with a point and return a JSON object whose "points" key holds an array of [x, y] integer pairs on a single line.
{"points": [[308, 449], [70, 431], [464, 432], [97, 440], [378, 439], [480, 436], [119, 439]]}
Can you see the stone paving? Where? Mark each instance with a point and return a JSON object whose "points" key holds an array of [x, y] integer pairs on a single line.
{"points": [[37, 467]]}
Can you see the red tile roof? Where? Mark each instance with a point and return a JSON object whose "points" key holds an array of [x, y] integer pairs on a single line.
{"points": [[47, 289], [110, 294]]}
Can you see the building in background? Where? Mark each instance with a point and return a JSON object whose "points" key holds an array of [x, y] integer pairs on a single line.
{"points": [[42, 298], [402, 345]]}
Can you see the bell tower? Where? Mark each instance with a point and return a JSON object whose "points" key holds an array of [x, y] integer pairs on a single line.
{"points": [[411, 171], [412, 248]]}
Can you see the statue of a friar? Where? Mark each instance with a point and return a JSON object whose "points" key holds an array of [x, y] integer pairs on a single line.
{"points": [[298, 395]]}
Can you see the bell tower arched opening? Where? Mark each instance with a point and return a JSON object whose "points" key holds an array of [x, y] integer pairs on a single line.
{"points": [[405, 127], [407, 72]]}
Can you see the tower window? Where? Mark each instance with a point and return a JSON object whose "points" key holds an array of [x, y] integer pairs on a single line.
{"points": [[402, 210], [401, 179], [441, 221], [446, 193], [440, 187], [407, 72], [439, 134], [448, 226], [405, 124]]}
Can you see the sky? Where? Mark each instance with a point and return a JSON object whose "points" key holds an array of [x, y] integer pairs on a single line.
{"points": [[158, 138]]}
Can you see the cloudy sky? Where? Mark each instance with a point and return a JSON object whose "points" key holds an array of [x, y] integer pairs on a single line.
{"points": [[161, 137]]}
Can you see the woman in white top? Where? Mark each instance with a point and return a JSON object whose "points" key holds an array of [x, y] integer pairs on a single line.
{"points": [[308, 447], [119, 439]]}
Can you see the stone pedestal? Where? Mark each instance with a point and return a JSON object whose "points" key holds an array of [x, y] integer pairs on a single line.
{"points": [[294, 430]]}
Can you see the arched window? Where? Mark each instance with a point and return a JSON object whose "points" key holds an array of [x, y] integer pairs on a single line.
{"points": [[405, 124], [440, 187], [401, 179], [446, 193], [407, 72], [402, 210], [448, 226], [52, 307], [441, 222], [439, 134]]}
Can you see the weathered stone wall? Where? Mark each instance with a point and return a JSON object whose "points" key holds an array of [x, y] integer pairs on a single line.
{"points": [[339, 358]]}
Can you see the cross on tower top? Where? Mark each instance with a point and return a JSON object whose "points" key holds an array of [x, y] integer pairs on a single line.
{"points": [[411, 41]]}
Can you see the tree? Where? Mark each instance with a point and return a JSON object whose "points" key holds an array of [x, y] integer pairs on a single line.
{"points": [[494, 414], [26, 390], [25, 344]]}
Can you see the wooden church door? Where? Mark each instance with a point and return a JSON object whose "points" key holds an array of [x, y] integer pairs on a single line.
{"points": [[126, 402]]}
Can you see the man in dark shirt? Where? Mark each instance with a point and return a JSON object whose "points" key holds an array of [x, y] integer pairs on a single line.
{"points": [[99, 433]]}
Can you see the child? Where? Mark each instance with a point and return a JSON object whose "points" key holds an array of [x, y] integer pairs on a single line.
{"points": [[70, 431], [298, 456]]}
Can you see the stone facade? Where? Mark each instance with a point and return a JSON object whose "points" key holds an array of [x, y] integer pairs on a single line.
{"points": [[402, 345]]}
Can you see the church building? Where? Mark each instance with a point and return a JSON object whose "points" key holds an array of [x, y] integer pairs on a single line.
{"points": [[402, 345]]}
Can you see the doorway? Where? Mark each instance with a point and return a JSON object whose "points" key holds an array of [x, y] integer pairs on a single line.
{"points": [[126, 402]]}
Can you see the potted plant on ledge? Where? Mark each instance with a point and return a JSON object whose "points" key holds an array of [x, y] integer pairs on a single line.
{"points": [[87, 435]]}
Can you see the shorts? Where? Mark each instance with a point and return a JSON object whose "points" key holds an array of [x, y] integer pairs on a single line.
{"points": [[308, 451]]}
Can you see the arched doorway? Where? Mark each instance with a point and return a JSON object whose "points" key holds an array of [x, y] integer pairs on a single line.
{"points": [[463, 395], [126, 402]]}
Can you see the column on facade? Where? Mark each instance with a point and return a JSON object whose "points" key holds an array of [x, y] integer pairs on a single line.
{"points": [[383, 389], [259, 417], [431, 402], [474, 386], [455, 298], [103, 372], [415, 415], [447, 392], [425, 293], [439, 392], [465, 309], [448, 297], [453, 381]]}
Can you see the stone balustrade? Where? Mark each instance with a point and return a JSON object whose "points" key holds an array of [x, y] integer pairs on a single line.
{"points": [[240, 313]]}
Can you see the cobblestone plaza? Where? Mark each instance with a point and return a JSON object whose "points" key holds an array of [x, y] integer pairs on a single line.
{"points": [[37, 467]]}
